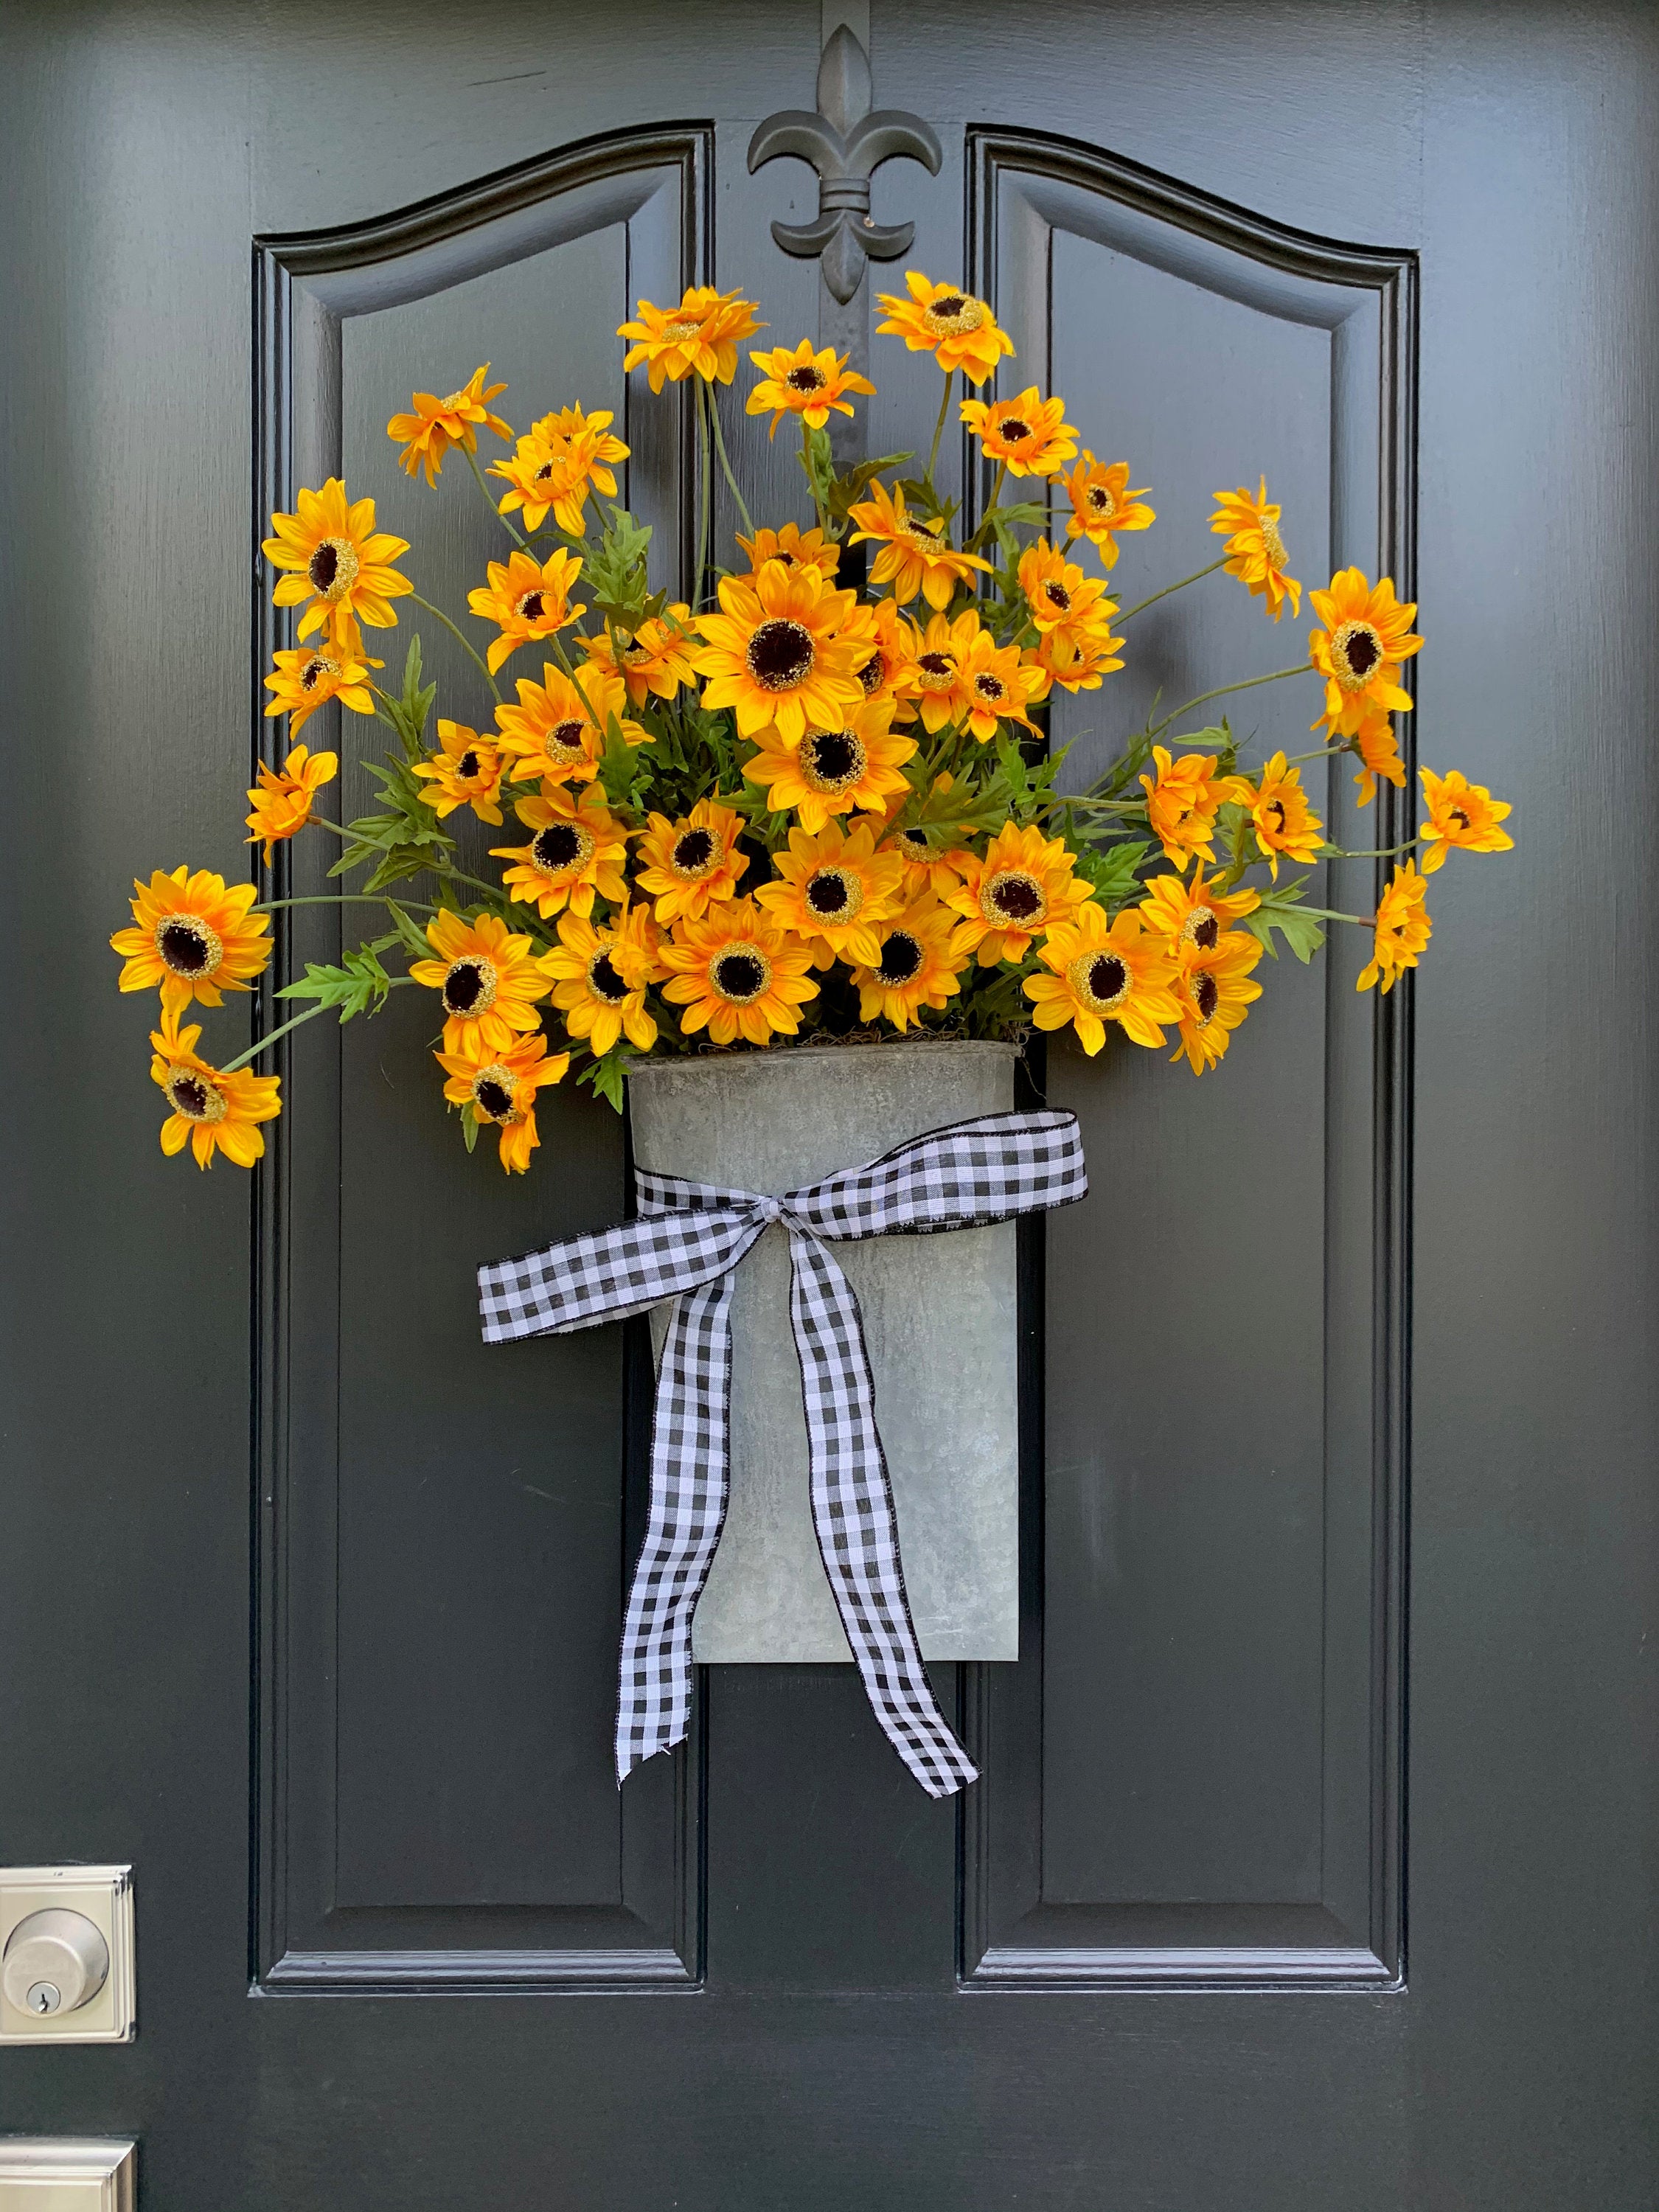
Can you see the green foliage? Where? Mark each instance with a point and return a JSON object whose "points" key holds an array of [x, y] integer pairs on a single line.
{"points": [[1112, 869], [606, 1074], [617, 576], [359, 986], [402, 839], [1278, 911]]}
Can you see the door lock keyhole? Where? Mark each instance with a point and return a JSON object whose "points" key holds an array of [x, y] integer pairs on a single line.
{"points": [[55, 1961]]}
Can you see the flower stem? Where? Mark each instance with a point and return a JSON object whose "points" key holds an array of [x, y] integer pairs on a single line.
{"points": [[978, 538], [1302, 668], [939, 428], [726, 464], [337, 899], [484, 666], [1168, 588], [281, 1030], [1379, 851], [705, 471], [489, 499]]}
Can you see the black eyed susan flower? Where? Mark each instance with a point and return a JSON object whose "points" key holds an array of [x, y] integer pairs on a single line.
{"points": [[561, 460], [557, 729], [1102, 505], [795, 548], [915, 556], [656, 659], [834, 891], [962, 679], [959, 330], [1104, 972], [433, 425], [281, 798], [926, 862], [1183, 798], [1255, 551], [1190, 914], [689, 866], [1402, 929], [1215, 992], [1070, 610], [577, 849], [699, 337], [526, 598], [211, 1112], [307, 678], [467, 770], [915, 964], [487, 977], [500, 1087], [192, 937], [1023, 889], [773, 652], [857, 767], [1077, 659], [887, 642], [1366, 637], [738, 975], [335, 559], [1285, 825], [1031, 434], [599, 974], [807, 382], [1463, 814]]}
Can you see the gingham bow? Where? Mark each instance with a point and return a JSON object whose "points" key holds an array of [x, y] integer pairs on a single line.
{"points": [[685, 1245]]}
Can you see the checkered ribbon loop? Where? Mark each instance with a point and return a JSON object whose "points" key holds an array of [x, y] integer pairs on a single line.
{"points": [[684, 1246]]}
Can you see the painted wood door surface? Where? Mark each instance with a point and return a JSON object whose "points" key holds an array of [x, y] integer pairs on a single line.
{"points": [[1311, 1864]]}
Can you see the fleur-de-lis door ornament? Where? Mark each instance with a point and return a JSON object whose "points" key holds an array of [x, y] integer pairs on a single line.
{"points": [[845, 142]]}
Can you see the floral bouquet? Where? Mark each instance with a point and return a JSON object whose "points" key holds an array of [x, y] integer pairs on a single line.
{"points": [[784, 808]]}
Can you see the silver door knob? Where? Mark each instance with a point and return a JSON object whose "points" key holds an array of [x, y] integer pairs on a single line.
{"points": [[55, 1961]]}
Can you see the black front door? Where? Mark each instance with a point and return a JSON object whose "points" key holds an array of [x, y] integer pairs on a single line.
{"points": [[1335, 1391]]}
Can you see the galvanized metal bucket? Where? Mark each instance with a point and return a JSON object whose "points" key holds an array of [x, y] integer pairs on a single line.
{"points": [[938, 1319]]}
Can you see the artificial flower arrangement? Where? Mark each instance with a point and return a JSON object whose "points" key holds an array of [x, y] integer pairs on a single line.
{"points": [[784, 809]]}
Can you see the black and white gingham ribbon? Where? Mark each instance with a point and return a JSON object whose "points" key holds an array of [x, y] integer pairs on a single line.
{"points": [[685, 1245]]}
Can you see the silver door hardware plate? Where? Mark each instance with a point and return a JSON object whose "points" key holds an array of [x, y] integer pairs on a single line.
{"points": [[67, 1968], [44, 2173]]}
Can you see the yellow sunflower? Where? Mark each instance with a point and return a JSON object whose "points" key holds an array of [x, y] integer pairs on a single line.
{"points": [[1022, 888], [959, 330], [1182, 799], [557, 464], [433, 425], [1077, 659], [526, 598], [487, 977], [807, 382], [1215, 992], [499, 1085], [212, 1112], [336, 559], [1070, 610], [1279, 813], [915, 965], [834, 891], [1255, 551], [1359, 651], [1101, 505], [1029, 434], [963, 677], [1104, 972], [1378, 752], [915, 556], [656, 659], [774, 655], [892, 641], [600, 997], [465, 771], [194, 938], [1402, 926], [690, 865], [1463, 814], [1190, 914], [926, 862], [579, 848], [699, 337], [736, 975], [795, 547], [304, 680], [281, 798], [859, 766], [557, 731]]}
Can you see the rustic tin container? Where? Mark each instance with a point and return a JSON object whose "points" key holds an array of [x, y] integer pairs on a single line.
{"points": [[938, 1319]]}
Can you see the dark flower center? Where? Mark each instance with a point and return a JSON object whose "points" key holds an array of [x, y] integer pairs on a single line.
{"points": [[937, 671], [901, 959], [805, 378], [829, 892], [315, 669], [332, 567], [1011, 429], [740, 976], [1357, 649], [953, 313], [193, 1098], [1274, 811], [1458, 816], [531, 607], [949, 305], [467, 764], [544, 473], [990, 687], [1099, 499], [1108, 979], [1016, 898], [1202, 927], [870, 675], [831, 762], [1206, 995], [470, 988], [696, 853], [916, 843], [1058, 597], [604, 981], [187, 946], [779, 655], [494, 1097], [566, 737], [559, 848]]}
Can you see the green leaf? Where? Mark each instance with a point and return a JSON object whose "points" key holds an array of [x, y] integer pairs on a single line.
{"points": [[616, 572], [410, 933], [1111, 869], [359, 986], [468, 1125], [844, 491], [607, 1075], [1277, 911]]}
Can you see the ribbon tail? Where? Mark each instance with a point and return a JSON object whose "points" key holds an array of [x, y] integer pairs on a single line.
{"points": [[689, 1473], [853, 1515]]}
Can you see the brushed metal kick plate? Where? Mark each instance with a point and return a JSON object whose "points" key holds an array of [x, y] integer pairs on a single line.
{"points": [[41, 2174], [104, 1895]]}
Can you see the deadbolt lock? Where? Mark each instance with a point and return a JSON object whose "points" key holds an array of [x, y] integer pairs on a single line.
{"points": [[54, 1961], [66, 1954]]}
